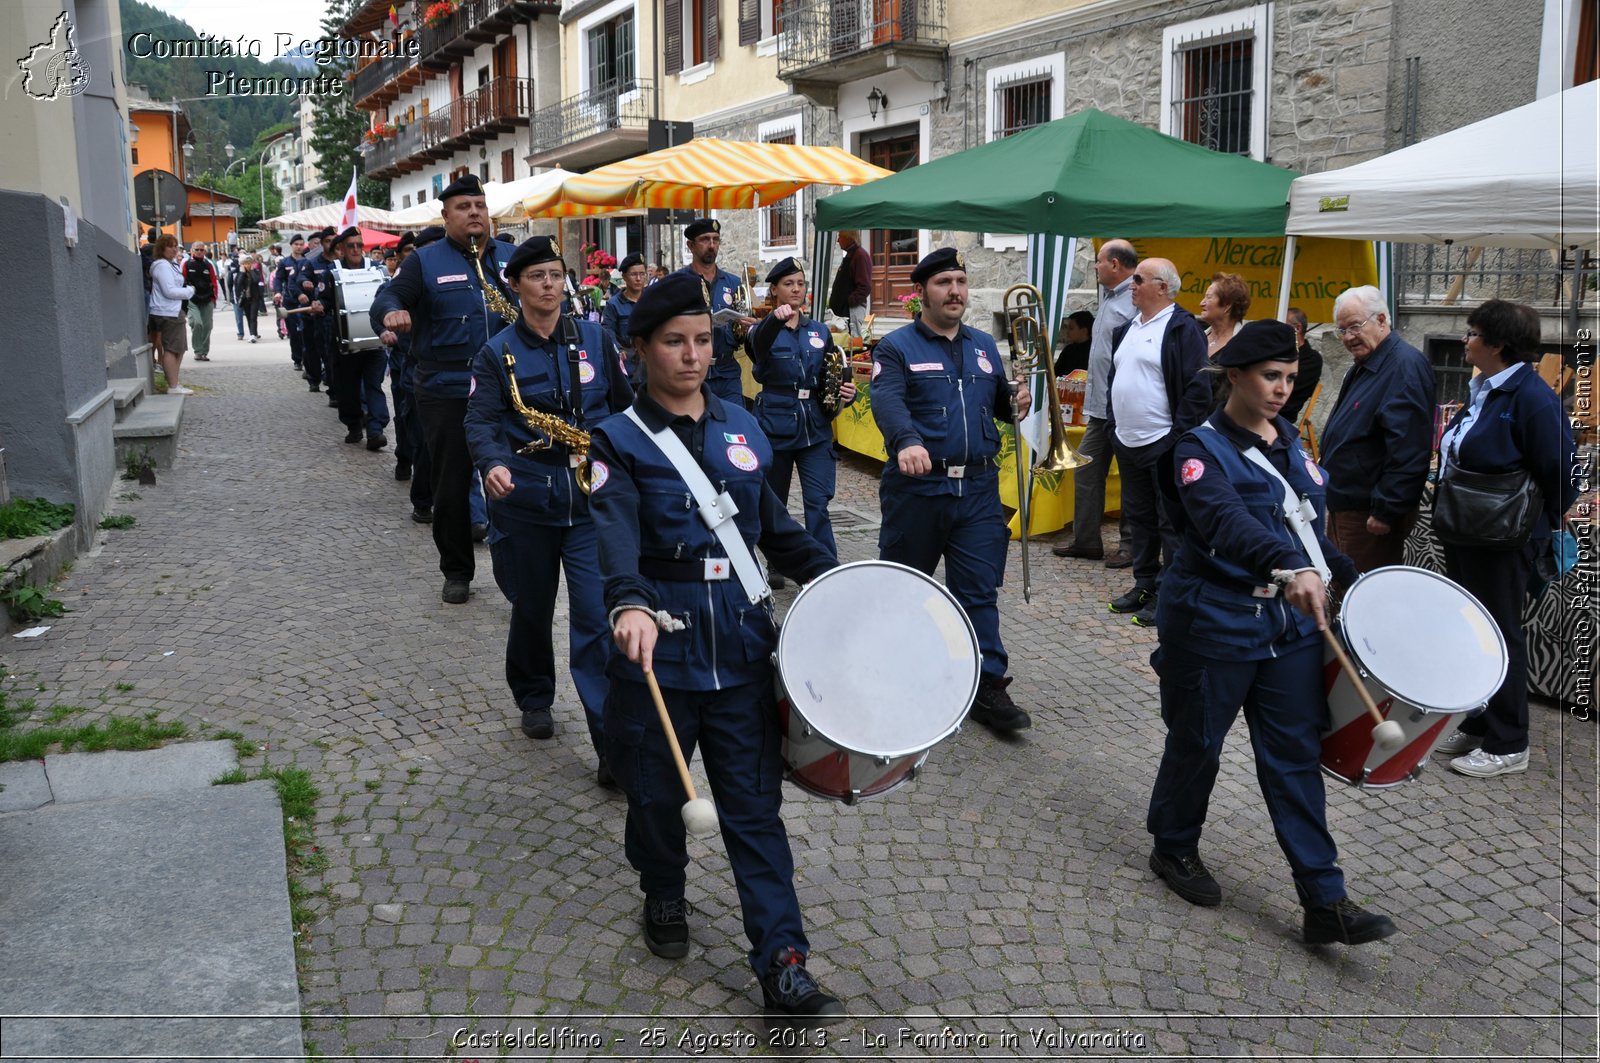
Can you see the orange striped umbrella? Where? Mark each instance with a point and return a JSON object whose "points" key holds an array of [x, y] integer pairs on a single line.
{"points": [[700, 175]]}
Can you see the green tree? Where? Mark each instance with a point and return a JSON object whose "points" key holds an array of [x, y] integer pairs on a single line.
{"points": [[337, 129]]}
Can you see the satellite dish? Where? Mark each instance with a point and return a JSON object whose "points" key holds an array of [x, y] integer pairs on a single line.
{"points": [[159, 198]]}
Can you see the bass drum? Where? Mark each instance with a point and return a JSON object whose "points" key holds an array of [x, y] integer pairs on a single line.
{"points": [[1427, 651], [354, 291], [858, 720]]}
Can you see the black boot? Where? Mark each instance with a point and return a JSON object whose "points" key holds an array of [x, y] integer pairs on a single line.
{"points": [[1345, 922], [994, 708], [788, 987]]}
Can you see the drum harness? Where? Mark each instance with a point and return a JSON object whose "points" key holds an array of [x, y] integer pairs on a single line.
{"points": [[1298, 514], [717, 510]]}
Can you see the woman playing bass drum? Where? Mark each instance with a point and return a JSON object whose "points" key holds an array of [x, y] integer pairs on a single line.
{"points": [[1240, 618]]}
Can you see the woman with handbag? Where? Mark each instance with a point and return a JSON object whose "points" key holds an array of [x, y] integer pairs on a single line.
{"points": [[249, 296], [1505, 480]]}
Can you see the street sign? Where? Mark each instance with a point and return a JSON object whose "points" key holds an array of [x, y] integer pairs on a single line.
{"points": [[159, 198], [660, 134]]}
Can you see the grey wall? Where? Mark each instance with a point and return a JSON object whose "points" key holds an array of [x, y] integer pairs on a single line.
{"points": [[1478, 59]]}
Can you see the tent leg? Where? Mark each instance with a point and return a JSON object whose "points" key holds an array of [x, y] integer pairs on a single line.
{"points": [[1288, 275]]}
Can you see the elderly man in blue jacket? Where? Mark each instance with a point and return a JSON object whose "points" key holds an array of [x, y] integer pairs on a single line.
{"points": [[1379, 438]]}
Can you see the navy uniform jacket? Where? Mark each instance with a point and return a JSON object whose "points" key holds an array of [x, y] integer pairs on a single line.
{"points": [[1379, 437], [319, 271], [286, 280], [787, 361], [450, 318], [1522, 426], [546, 486], [943, 395], [1233, 536], [724, 293], [615, 318], [643, 512]]}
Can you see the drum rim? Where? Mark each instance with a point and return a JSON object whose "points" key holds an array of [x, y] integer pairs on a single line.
{"points": [[972, 635], [1355, 652]]}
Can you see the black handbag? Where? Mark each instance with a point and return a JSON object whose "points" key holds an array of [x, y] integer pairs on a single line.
{"points": [[1486, 510]]}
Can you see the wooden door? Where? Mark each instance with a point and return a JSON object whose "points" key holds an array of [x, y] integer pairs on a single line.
{"points": [[894, 251], [886, 21]]}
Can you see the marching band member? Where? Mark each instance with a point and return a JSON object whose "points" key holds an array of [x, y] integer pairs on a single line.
{"points": [[663, 565], [788, 352], [446, 299], [1239, 619], [362, 403], [568, 371], [619, 308], [285, 285], [937, 387], [704, 237], [316, 289]]}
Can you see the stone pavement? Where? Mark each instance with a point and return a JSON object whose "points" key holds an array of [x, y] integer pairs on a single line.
{"points": [[478, 906]]}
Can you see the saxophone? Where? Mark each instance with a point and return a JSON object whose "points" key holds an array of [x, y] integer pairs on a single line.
{"points": [[491, 292], [832, 381], [547, 428]]}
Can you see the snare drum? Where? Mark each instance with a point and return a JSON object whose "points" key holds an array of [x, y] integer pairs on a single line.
{"points": [[354, 290], [1429, 653], [859, 718]]}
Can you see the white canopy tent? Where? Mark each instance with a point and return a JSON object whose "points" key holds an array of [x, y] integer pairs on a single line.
{"points": [[1525, 178], [330, 214]]}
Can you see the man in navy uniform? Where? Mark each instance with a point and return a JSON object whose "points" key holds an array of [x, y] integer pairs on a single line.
{"points": [[567, 370], [286, 285], [619, 308], [788, 352], [937, 387], [362, 404], [704, 237], [666, 570], [316, 286], [439, 296], [409, 454]]}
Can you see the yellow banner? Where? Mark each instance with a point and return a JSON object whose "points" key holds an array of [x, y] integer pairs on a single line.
{"points": [[1323, 267]]}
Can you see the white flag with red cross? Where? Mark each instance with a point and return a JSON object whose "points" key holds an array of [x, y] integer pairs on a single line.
{"points": [[349, 204]]}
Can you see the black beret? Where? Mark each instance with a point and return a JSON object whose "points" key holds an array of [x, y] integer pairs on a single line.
{"points": [[429, 235], [296, 239], [327, 232], [1259, 341], [783, 269], [631, 261], [389, 253], [531, 252], [505, 238], [347, 234], [466, 185], [939, 261], [701, 226], [674, 294], [407, 239]]}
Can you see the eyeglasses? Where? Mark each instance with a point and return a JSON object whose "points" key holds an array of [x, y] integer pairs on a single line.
{"points": [[1138, 279], [1351, 330], [539, 276]]}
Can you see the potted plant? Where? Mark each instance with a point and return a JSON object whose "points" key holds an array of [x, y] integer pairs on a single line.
{"points": [[912, 303]]}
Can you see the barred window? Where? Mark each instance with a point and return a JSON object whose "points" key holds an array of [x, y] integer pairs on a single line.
{"points": [[779, 223], [1214, 82], [1021, 105]]}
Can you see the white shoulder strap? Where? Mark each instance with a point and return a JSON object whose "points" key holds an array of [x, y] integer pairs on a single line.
{"points": [[1298, 513], [717, 510]]}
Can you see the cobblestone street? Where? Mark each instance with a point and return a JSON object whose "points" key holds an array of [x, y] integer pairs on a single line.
{"points": [[478, 905]]}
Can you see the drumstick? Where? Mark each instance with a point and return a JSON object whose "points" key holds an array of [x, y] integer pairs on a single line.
{"points": [[698, 814], [1388, 734]]}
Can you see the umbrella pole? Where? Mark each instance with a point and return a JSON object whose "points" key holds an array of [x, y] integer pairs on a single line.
{"points": [[1288, 275]]}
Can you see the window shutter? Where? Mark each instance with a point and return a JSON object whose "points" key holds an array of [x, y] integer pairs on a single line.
{"points": [[749, 21], [673, 17], [713, 31]]}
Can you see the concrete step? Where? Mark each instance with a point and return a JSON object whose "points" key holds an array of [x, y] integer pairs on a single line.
{"points": [[126, 391], [151, 426]]}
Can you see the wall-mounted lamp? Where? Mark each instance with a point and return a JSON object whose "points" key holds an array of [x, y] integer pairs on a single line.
{"points": [[133, 131], [483, 153], [876, 100]]}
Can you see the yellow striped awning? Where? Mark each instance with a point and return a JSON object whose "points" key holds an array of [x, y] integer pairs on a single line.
{"points": [[701, 175]]}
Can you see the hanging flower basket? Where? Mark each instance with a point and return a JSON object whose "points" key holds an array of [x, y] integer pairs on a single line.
{"points": [[437, 12]]}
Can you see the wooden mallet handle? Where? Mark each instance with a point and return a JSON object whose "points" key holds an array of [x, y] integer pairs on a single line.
{"points": [[672, 736], [1354, 676]]}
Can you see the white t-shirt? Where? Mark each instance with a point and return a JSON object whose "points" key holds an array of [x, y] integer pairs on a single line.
{"points": [[1138, 391]]}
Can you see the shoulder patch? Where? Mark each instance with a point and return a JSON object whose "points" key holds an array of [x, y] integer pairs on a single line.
{"points": [[1192, 470], [1314, 472], [598, 475], [743, 458]]}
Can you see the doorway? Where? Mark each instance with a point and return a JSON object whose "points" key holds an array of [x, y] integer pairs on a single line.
{"points": [[894, 251]]}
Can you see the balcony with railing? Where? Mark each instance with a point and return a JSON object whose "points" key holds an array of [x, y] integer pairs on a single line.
{"points": [[382, 80], [496, 107], [824, 43], [475, 22], [595, 127]]}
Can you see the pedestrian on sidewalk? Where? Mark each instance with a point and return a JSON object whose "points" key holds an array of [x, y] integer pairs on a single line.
{"points": [[249, 296], [167, 293], [200, 273]]}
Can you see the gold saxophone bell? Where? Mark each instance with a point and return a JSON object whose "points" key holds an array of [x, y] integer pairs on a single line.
{"points": [[1029, 346], [547, 428]]}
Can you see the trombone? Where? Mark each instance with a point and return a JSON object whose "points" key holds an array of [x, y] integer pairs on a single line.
{"points": [[1023, 307]]}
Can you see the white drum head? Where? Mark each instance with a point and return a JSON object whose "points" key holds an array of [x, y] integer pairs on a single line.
{"points": [[1424, 638], [879, 659]]}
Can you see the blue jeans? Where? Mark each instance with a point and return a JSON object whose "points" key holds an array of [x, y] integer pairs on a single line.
{"points": [[818, 477]]}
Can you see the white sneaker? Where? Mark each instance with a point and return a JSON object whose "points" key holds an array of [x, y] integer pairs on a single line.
{"points": [[1458, 742], [1487, 765], [179, 391]]}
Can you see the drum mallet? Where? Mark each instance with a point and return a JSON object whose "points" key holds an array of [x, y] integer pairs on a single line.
{"points": [[1388, 734], [699, 815]]}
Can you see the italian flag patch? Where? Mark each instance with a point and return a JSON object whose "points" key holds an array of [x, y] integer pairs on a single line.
{"points": [[730, 437]]}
